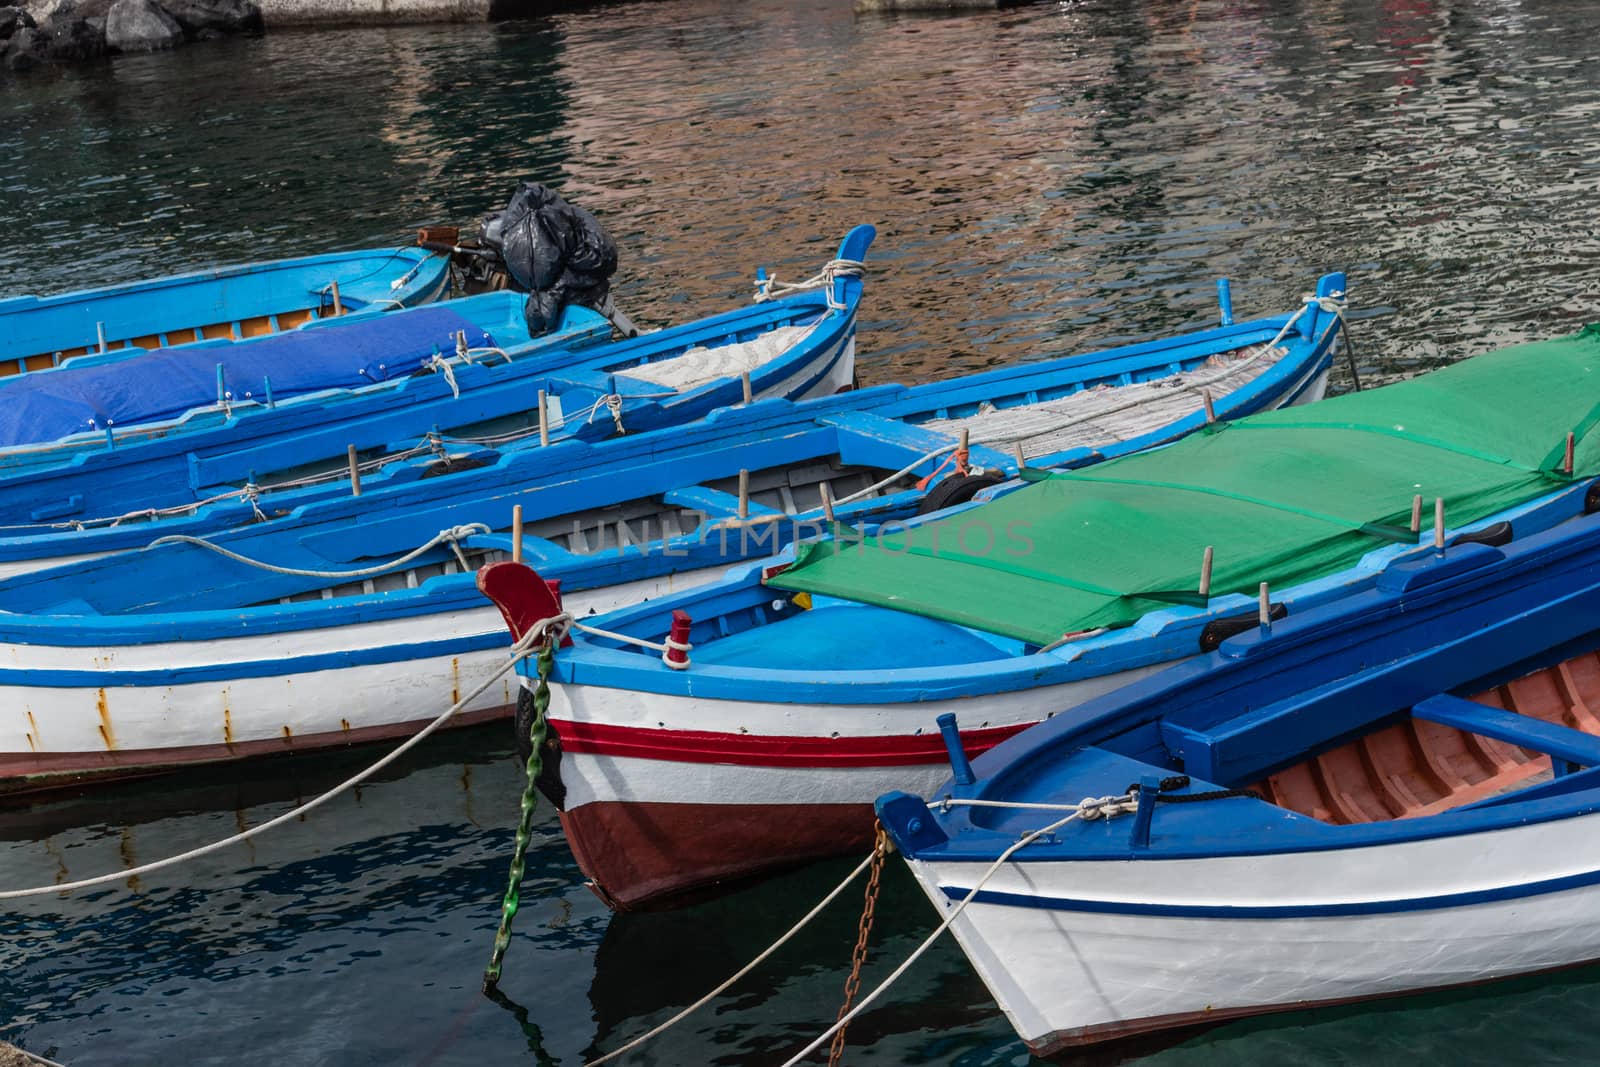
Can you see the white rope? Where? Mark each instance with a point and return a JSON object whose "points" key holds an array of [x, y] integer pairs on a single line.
{"points": [[896, 476], [663, 647], [746, 969], [947, 803], [771, 288], [442, 365], [1088, 808], [251, 492], [452, 536], [555, 627]]}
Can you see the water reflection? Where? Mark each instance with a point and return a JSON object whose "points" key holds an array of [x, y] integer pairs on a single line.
{"points": [[1059, 176]]}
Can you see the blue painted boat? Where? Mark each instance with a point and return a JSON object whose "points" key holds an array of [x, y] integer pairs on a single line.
{"points": [[229, 303], [1153, 392], [816, 677], [1399, 791], [388, 386], [179, 653]]}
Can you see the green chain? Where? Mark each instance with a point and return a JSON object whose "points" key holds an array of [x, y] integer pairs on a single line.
{"points": [[530, 800]]}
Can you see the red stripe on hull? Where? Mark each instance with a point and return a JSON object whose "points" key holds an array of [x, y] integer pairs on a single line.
{"points": [[754, 750], [644, 855], [27, 772]]}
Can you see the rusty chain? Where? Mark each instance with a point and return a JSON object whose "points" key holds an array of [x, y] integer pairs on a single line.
{"points": [[869, 907]]}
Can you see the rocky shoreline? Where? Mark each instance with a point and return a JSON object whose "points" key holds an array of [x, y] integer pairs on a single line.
{"points": [[72, 31]]}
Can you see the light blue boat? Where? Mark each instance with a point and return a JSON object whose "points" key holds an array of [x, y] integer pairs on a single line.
{"points": [[389, 385], [346, 618], [249, 300]]}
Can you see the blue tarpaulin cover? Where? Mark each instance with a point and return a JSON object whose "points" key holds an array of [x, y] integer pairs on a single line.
{"points": [[166, 382]]}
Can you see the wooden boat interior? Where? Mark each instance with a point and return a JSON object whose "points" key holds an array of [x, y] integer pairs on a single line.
{"points": [[1348, 762], [236, 330], [1448, 753], [638, 524], [1095, 411]]}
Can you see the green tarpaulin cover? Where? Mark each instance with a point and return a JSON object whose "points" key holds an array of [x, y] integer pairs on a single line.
{"points": [[1283, 497]]}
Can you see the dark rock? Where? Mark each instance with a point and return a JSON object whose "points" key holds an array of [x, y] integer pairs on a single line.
{"points": [[205, 17], [73, 40], [141, 26], [25, 49], [79, 10], [13, 19]]}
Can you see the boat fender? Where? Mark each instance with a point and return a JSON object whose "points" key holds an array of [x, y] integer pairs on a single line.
{"points": [[1219, 630], [958, 489], [1493, 535], [1166, 792], [1591, 498], [549, 780], [452, 464]]}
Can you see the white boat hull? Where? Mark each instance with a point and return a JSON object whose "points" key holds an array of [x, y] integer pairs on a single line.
{"points": [[1077, 952]]}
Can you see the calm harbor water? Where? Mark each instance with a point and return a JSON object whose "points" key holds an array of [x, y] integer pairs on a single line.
{"points": [[1059, 176]]}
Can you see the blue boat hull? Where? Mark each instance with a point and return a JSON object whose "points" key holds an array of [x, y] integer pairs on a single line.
{"points": [[174, 633], [1444, 710], [249, 300], [593, 389]]}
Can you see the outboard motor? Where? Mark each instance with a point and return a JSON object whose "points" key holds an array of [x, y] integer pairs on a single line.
{"points": [[556, 253]]}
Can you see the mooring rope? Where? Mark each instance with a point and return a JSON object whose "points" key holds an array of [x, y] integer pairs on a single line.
{"points": [[666, 646], [746, 969], [771, 288], [1088, 808], [453, 536], [518, 651]]}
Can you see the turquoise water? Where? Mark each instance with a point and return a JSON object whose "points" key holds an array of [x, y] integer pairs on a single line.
{"points": [[1058, 176]]}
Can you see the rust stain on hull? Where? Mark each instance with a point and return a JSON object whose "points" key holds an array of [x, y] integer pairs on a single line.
{"points": [[33, 732], [107, 734]]}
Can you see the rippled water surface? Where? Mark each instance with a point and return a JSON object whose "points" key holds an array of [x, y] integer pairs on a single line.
{"points": [[1053, 177]]}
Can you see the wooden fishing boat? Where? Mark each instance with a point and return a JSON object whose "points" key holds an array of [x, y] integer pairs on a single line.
{"points": [[177, 654], [816, 678], [1392, 793], [1118, 402], [226, 303], [478, 374]]}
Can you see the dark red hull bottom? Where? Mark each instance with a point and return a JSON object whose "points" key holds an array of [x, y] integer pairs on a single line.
{"points": [[641, 855], [41, 772]]}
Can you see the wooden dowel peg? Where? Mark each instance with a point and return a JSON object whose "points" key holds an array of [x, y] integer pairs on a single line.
{"points": [[1264, 607], [100, 335], [1205, 572], [1572, 448], [1016, 452], [516, 533], [966, 441], [1416, 514], [744, 380], [744, 495], [827, 502], [1211, 411], [1438, 523], [338, 304], [544, 420], [355, 470]]}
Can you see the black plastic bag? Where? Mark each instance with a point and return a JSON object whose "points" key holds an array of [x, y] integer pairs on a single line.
{"points": [[556, 253]]}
